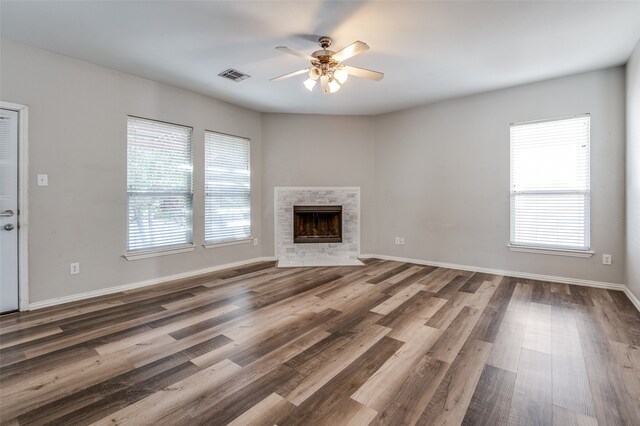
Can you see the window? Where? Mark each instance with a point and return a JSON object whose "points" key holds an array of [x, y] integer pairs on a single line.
{"points": [[550, 184], [227, 207], [159, 175]]}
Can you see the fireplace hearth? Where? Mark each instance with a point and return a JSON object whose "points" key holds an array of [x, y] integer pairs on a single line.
{"points": [[317, 224]]}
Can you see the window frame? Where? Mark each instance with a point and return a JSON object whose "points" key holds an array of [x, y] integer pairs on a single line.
{"points": [[232, 241], [146, 252], [548, 249]]}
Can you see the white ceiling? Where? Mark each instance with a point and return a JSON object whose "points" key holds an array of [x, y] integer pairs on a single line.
{"points": [[428, 50]]}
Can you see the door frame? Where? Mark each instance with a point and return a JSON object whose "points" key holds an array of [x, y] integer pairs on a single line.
{"points": [[23, 201]]}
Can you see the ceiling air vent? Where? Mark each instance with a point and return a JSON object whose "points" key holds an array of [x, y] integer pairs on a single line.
{"points": [[234, 75]]}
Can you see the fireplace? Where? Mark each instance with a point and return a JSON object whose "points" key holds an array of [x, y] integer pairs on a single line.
{"points": [[317, 224]]}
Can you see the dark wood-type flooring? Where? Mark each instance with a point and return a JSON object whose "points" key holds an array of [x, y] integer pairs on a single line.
{"points": [[386, 343]]}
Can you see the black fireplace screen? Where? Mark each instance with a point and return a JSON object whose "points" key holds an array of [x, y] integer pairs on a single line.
{"points": [[317, 224]]}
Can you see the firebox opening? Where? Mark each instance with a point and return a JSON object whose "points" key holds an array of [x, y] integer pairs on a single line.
{"points": [[317, 224]]}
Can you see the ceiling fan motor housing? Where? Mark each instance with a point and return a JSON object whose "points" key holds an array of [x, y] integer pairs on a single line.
{"points": [[324, 56], [324, 42]]}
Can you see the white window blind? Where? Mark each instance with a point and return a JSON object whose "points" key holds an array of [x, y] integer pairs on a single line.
{"points": [[227, 188], [550, 184], [159, 185]]}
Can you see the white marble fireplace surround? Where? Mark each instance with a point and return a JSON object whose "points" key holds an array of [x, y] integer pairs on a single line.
{"points": [[320, 254]]}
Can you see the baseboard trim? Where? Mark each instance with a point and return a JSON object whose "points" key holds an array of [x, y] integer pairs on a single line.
{"points": [[539, 277], [632, 297], [160, 280], [140, 284]]}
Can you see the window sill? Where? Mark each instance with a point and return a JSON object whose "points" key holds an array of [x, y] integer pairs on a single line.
{"points": [[227, 243], [155, 253], [551, 251]]}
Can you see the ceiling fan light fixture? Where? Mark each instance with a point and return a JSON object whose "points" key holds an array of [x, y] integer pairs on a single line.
{"points": [[314, 73], [341, 75], [324, 83], [309, 84], [334, 86]]}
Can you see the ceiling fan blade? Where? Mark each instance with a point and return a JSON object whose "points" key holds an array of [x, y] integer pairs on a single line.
{"points": [[291, 74], [295, 53], [364, 73], [355, 48]]}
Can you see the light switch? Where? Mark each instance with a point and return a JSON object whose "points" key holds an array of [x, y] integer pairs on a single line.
{"points": [[43, 180]]}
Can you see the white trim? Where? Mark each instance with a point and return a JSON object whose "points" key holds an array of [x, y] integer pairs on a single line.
{"points": [[161, 280], [23, 202], [551, 251], [359, 220], [275, 221], [318, 262], [546, 120], [632, 297], [146, 283], [155, 253], [227, 243], [539, 277], [317, 188]]}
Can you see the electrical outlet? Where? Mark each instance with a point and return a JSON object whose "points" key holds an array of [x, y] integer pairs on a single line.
{"points": [[401, 241], [74, 268], [255, 241], [606, 259], [397, 240], [43, 180]]}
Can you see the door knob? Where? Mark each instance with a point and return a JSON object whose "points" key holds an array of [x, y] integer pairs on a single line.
{"points": [[6, 213], [8, 227]]}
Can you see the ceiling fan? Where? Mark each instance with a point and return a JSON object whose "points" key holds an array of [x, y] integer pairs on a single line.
{"points": [[327, 66]]}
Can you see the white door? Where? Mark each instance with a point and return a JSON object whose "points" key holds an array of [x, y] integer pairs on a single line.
{"points": [[8, 210]]}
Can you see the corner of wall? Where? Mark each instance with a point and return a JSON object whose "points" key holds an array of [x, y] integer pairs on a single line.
{"points": [[632, 230]]}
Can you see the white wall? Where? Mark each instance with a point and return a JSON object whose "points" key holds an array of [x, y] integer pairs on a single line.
{"points": [[442, 176], [437, 175], [77, 135], [633, 172], [318, 150]]}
